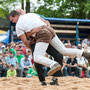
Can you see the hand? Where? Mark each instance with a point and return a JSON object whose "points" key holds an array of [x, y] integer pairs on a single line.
{"points": [[35, 30], [21, 11], [62, 70], [48, 24], [32, 40]]}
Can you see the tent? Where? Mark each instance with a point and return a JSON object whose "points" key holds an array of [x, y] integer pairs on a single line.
{"points": [[4, 36]]}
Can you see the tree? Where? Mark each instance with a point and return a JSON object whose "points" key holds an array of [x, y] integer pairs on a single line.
{"points": [[27, 6], [64, 8], [6, 6]]}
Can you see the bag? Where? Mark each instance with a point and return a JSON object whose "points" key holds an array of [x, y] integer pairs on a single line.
{"points": [[83, 74]]}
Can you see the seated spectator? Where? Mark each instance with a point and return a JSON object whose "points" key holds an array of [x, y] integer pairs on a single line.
{"points": [[11, 49], [3, 69], [13, 60], [19, 56], [88, 72], [2, 48], [86, 41], [29, 52], [11, 72], [64, 67], [80, 47], [72, 66], [32, 72], [21, 52], [20, 46], [82, 66], [79, 41], [25, 64]]}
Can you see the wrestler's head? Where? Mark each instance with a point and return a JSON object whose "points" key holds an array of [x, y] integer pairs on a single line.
{"points": [[14, 16]]}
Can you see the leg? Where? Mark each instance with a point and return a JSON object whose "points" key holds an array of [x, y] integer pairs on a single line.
{"points": [[40, 71], [19, 72], [39, 57], [39, 68], [39, 52], [80, 72], [58, 45], [69, 71], [57, 57], [65, 71], [76, 71]]}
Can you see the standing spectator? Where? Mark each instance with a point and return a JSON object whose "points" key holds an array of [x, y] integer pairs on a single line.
{"points": [[11, 72]]}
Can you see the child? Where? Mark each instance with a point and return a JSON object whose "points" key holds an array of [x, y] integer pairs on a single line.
{"points": [[32, 72], [11, 72]]}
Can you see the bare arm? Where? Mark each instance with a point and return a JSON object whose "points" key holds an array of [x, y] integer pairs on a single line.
{"points": [[35, 30], [47, 22], [25, 41]]}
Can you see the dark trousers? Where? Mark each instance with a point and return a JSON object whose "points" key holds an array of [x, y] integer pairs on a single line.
{"points": [[57, 57]]}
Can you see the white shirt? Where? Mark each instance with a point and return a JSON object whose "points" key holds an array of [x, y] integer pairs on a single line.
{"points": [[81, 60], [28, 22]]}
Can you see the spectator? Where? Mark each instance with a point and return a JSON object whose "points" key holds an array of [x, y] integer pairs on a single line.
{"points": [[11, 72], [3, 70], [25, 64], [86, 40], [11, 49], [13, 60], [72, 66], [80, 47], [64, 67], [19, 57], [79, 41], [21, 52], [82, 66], [21, 47], [2, 47], [32, 72], [29, 52]]}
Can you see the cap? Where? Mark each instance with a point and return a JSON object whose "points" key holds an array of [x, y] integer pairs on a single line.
{"points": [[3, 46], [26, 55]]}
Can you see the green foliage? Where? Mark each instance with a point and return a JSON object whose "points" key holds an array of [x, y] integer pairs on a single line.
{"points": [[6, 6], [65, 8]]}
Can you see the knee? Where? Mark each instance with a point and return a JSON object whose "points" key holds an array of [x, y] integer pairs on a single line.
{"points": [[36, 57]]}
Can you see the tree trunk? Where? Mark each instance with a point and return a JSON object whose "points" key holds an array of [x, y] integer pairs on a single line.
{"points": [[22, 4], [88, 15], [27, 6]]}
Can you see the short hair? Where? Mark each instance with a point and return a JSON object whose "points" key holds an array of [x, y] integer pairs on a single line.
{"points": [[11, 65], [14, 13]]}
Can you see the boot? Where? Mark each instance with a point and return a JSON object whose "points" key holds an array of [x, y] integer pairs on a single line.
{"points": [[54, 82], [43, 83], [54, 69]]}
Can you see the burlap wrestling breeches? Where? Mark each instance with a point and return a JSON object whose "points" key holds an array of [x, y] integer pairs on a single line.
{"points": [[45, 35]]}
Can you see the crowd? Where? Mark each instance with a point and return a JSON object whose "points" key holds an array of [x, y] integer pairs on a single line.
{"points": [[77, 66], [17, 60]]}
